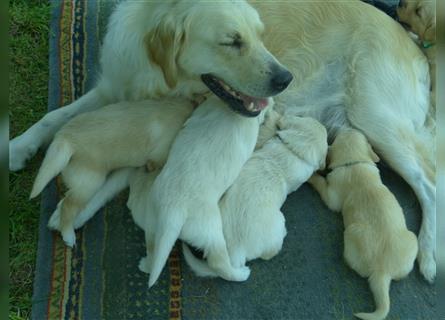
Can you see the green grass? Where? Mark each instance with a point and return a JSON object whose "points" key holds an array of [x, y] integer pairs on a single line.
{"points": [[28, 96]]}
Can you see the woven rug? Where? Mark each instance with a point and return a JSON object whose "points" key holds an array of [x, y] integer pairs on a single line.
{"points": [[99, 278]]}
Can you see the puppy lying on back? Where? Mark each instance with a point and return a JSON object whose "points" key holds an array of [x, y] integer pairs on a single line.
{"points": [[419, 17], [204, 161], [377, 243], [93, 144], [254, 226]]}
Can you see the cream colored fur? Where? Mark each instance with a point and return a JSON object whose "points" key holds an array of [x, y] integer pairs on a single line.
{"points": [[204, 161], [120, 179], [92, 145], [419, 16], [254, 226], [346, 72], [377, 244]]}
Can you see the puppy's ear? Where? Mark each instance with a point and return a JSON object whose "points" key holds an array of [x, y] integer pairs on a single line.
{"points": [[375, 158], [163, 46], [303, 146]]}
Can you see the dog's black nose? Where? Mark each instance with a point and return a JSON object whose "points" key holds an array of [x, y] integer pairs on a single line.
{"points": [[281, 80]]}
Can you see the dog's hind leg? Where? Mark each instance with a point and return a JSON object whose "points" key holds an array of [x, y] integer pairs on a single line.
{"points": [[399, 148], [23, 147], [115, 183], [82, 184], [205, 231]]}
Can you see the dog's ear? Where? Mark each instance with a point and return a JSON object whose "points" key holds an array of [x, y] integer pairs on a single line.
{"points": [[375, 158], [163, 46], [304, 147]]}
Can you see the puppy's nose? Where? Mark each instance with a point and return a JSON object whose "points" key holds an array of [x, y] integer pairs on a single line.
{"points": [[281, 80]]}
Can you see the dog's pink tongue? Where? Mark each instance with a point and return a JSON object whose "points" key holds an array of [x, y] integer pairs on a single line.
{"points": [[259, 103]]}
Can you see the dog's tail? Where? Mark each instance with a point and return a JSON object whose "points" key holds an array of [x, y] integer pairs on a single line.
{"points": [[199, 267], [56, 159], [167, 232], [379, 283], [114, 184]]}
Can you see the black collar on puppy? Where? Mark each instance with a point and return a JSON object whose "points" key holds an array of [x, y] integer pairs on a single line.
{"points": [[328, 170]]}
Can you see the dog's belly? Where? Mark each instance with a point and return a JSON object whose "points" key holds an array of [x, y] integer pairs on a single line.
{"points": [[322, 96]]}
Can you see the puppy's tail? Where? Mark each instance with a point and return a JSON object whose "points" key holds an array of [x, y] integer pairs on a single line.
{"points": [[199, 267], [379, 283], [56, 159], [166, 234]]}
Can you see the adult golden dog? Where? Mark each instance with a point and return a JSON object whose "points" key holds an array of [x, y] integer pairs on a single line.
{"points": [[352, 66]]}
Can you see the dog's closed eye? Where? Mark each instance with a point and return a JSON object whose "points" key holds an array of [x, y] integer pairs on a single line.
{"points": [[235, 42]]}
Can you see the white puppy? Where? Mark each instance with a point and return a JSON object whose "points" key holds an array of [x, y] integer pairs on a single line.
{"points": [[377, 243], [252, 221], [204, 161], [85, 150]]}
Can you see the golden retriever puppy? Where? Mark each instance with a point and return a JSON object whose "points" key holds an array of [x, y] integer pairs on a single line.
{"points": [[377, 243], [419, 17], [89, 147], [253, 225], [204, 161]]}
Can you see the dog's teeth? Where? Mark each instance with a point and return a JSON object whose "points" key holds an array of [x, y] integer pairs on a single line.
{"points": [[250, 107]]}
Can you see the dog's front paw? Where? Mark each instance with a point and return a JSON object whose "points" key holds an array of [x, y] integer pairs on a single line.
{"points": [[427, 265], [144, 265], [19, 153]]}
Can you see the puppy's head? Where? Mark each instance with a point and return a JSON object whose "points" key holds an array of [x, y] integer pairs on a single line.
{"points": [[419, 16], [350, 145], [218, 42], [306, 138]]}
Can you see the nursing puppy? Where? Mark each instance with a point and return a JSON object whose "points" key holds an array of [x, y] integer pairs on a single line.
{"points": [[377, 243], [122, 178], [92, 145], [419, 17], [254, 226], [204, 161]]}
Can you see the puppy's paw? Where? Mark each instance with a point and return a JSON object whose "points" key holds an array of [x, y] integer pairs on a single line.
{"points": [[144, 265], [19, 153], [241, 274], [69, 237], [427, 266]]}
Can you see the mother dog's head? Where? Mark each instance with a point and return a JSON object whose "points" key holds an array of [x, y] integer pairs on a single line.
{"points": [[220, 43]]}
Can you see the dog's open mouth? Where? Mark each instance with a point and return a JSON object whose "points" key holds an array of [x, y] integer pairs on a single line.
{"points": [[243, 104]]}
